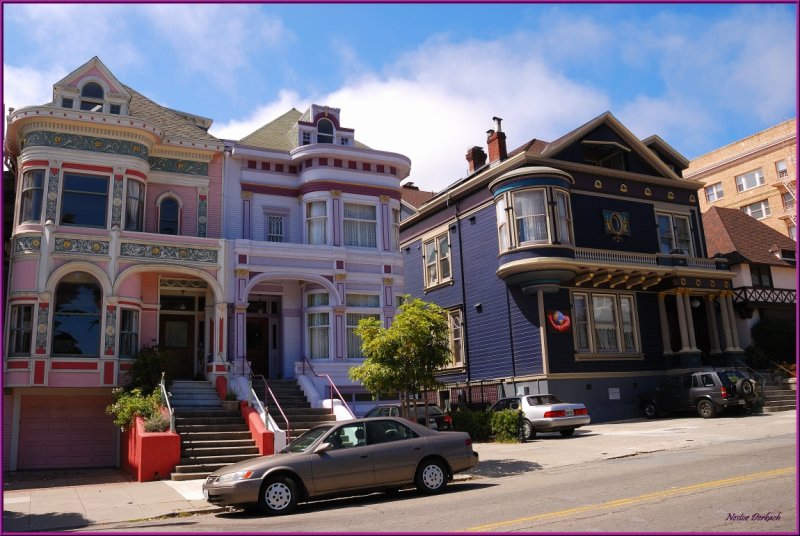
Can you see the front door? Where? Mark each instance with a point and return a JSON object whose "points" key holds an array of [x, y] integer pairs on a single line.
{"points": [[176, 335], [258, 345]]}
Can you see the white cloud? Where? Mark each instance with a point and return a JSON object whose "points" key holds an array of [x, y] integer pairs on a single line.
{"points": [[24, 86], [216, 40], [239, 128]]}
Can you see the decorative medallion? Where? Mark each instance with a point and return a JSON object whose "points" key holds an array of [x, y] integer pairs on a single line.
{"points": [[697, 282], [92, 247], [202, 215], [146, 251], [616, 224], [116, 208], [692, 198], [683, 282], [52, 194], [623, 188], [713, 284], [171, 165], [41, 327], [598, 184], [648, 192], [27, 244], [670, 196], [111, 322], [726, 284]]}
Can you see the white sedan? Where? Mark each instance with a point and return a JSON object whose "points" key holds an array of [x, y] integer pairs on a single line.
{"points": [[546, 413]]}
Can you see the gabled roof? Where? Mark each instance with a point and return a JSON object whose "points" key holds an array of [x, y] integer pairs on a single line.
{"points": [[414, 197], [280, 134], [666, 148], [613, 123], [732, 233], [95, 68]]}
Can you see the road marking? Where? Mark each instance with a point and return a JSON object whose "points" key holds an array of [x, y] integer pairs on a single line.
{"points": [[641, 498]]}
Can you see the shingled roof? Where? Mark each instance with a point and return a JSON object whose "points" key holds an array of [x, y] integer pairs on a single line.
{"points": [[414, 196], [171, 122], [280, 134], [735, 235]]}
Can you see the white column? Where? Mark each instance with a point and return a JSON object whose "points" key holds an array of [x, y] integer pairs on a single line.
{"points": [[687, 304], [682, 321], [711, 316], [662, 312], [732, 317], [726, 323]]}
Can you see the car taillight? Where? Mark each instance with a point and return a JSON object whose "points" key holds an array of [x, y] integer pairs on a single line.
{"points": [[582, 411], [448, 419], [555, 413], [723, 392], [468, 442]]}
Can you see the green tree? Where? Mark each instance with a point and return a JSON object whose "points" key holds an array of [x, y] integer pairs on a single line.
{"points": [[406, 356]]}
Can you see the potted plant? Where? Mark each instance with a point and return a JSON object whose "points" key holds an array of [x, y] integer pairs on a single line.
{"points": [[231, 400]]}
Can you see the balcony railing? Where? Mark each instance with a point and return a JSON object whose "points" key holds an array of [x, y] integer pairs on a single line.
{"points": [[757, 295], [615, 257]]}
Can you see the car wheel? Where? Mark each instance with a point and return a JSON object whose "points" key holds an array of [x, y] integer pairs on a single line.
{"points": [[527, 429], [650, 410], [278, 495], [745, 387], [568, 432], [706, 409], [431, 477]]}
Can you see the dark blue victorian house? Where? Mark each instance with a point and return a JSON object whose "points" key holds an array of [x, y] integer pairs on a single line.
{"points": [[576, 267]]}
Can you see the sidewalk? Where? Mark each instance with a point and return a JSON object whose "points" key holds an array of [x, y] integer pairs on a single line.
{"points": [[48, 501]]}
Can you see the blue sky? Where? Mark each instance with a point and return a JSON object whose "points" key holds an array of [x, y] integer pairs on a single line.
{"points": [[425, 80]]}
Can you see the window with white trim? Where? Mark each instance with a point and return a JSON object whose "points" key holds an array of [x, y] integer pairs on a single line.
{"points": [[275, 228], [533, 216], [781, 169], [324, 131], [134, 206], [20, 332], [317, 222], [169, 216], [605, 323], [84, 200], [456, 337], [395, 245], [788, 201], [749, 180], [359, 306], [318, 325], [793, 232], [30, 208], [714, 192], [360, 225], [77, 314], [436, 253], [758, 210], [92, 96], [128, 332], [306, 138], [674, 234]]}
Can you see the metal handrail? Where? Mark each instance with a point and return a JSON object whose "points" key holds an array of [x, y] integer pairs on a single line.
{"points": [[165, 397], [333, 386], [267, 390], [784, 369]]}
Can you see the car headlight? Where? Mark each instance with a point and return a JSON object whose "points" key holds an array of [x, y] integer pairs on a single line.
{"points": [[235, 477]]}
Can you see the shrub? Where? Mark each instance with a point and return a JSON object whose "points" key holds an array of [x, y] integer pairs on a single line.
{"points": [[505, 425], [475, 423], [156, 423], [130, 404], [146, 370], [773, 340]]}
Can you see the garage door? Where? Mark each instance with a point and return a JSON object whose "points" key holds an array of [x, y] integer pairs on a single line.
{"points": [[59, 432]]}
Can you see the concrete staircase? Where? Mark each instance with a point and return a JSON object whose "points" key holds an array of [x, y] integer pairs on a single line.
{"points": [[295, 406], [211, 437], [778, 396]]}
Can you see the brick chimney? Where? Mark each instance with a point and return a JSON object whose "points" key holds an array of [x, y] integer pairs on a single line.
{"points": [[476, 158], [496, 140]]}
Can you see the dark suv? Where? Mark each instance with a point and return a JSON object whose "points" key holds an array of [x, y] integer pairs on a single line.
{"points": [[707, 392], [437, 419]]}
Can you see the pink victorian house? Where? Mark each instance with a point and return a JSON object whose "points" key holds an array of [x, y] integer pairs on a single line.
{"points": [[116, 244]]}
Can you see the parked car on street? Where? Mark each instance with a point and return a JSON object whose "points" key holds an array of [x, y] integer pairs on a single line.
{"points": [[546, 413], [707, 392], [437, 419], [382, 453]]}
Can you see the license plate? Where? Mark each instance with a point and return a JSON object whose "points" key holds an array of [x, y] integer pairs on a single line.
{"points": [[741, 402], [569, 413]]}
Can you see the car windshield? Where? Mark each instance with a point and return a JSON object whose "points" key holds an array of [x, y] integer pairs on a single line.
{"points": [[432, 410], [304, 441], [543, 400]]}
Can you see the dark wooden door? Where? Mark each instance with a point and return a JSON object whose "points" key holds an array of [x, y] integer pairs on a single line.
{"points": [[176, 335], [258, 345]]}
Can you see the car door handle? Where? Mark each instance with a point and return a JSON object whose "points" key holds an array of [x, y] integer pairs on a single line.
{"points": [[365, 456]]}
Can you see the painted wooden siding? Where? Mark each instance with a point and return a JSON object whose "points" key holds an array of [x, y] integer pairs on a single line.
{"points": [[587, 216], [214, 215], [8, 422]]}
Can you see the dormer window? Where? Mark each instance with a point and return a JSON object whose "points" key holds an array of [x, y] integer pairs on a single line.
{"points": [[66, 103], [344, 140], [324, 131], [92, 97], [306, 138]]}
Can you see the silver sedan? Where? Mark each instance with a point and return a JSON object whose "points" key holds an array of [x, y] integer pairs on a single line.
{"points": [[546, 413], [382, 453]]}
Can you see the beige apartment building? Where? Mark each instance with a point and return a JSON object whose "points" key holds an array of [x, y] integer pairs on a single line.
{"points": [[756, 175]]}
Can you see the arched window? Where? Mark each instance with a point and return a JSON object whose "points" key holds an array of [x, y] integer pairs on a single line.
{"points": [[92, 95], [324, 131], [169, 216], [77, 316]]}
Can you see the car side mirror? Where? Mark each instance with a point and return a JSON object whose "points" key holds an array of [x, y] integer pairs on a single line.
{"points": [[323, 447]]}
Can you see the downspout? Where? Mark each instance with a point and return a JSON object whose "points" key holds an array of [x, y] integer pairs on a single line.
{"points": [[511, 341]]}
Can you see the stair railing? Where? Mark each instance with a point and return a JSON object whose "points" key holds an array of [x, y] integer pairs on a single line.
{"points": [[165, 398], [332, 385], [787, 371], [761, 380], [268, 391]]}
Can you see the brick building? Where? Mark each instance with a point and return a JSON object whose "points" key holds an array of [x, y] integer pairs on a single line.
{"points": [[756, 175]]}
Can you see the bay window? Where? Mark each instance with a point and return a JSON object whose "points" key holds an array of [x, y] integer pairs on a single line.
{"points": [[128, 332], [134, 206], [317, 222], [30, 208], [533, 216], [77, 315], [674, 234], [455, 333], [360, 225], [20, 330], [318, 323], [84, 200], [359, 306]]}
